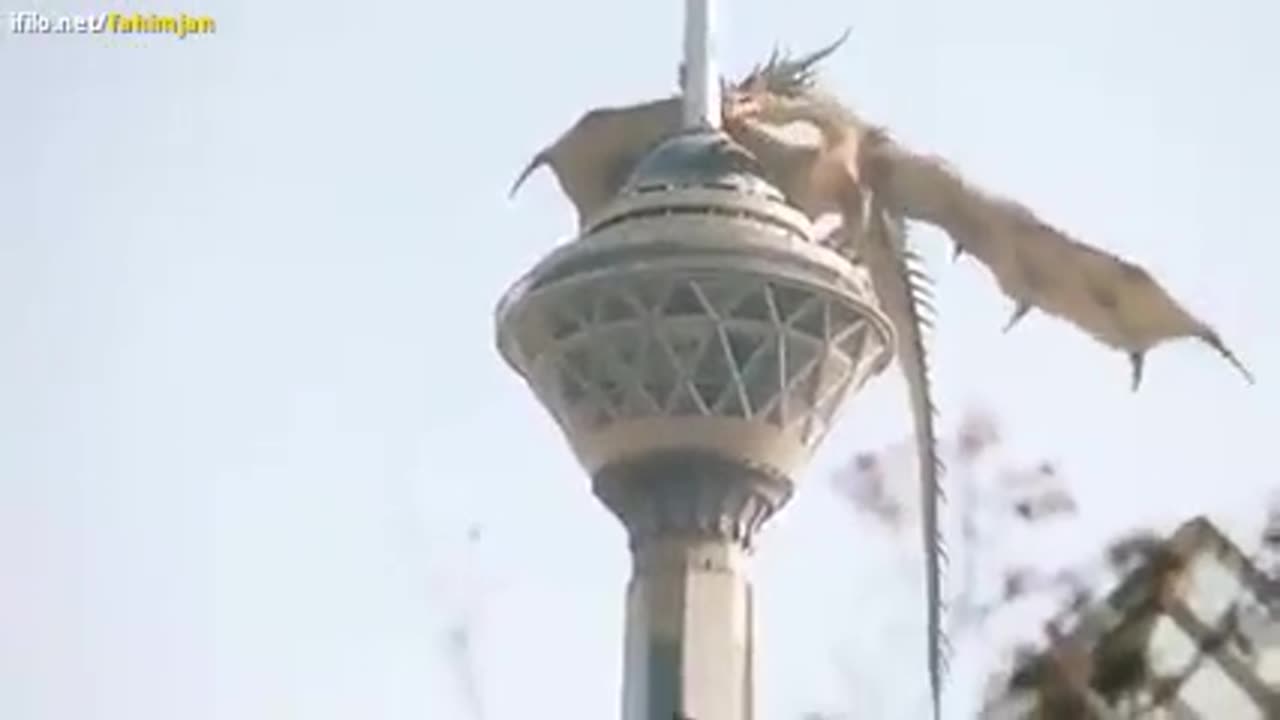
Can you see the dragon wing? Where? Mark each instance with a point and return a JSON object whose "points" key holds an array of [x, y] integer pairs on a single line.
{"points": [[1115, 301], [593, 159]]}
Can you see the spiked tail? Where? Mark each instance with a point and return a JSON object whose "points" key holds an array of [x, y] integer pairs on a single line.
{"points": [[903, 288], [538, 161]]}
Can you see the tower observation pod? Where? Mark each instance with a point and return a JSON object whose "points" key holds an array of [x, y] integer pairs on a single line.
{"points": [[694, 343]]}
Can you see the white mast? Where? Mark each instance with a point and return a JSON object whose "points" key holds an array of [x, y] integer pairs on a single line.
{"points": [[701, 81]]}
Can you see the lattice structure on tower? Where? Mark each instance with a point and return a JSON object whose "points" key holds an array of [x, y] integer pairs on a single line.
{"points": [[697, 308], [659, 345]]}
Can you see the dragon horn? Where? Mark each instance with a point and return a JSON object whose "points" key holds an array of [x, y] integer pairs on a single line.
{"points": [[775, 56], [538, 161], [761, 70], [788, 76], [806, 62]]}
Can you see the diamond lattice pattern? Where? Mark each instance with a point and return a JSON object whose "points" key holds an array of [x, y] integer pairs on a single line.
{"points": [[738, 347]]}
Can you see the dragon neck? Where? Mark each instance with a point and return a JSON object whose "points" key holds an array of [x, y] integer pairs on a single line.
{"points": [[832, 119]]}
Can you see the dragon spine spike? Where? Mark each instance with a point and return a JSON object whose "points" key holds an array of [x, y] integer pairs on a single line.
{"points": [[924, 290], [928, 319]]}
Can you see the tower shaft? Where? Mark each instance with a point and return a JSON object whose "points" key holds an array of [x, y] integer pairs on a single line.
{"points": [[690, 623], [689, 632]]}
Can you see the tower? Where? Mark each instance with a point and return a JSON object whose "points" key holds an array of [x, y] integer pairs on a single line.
{"points": [[694, 343]]}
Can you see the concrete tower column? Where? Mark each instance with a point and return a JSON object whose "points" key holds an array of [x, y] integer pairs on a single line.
{"points": [[690, 633]]}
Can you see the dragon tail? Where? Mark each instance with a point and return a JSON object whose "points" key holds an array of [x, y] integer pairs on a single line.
{"points": [[905, 291]]}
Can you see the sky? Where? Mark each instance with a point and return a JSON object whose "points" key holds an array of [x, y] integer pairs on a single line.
{"points": [[250, 405]]}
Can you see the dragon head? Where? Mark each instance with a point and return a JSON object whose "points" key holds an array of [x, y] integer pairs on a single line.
{"points": [[772, 90]]}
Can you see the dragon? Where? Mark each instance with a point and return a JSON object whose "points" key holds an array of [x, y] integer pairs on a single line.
{"points": [[864, 170]]}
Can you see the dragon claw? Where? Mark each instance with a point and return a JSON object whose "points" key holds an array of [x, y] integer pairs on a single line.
{"points": [[1217, 344], [1019, 312], [1136, 361]]}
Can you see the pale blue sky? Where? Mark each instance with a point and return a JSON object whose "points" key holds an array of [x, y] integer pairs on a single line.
{"points": [[248, 398]]}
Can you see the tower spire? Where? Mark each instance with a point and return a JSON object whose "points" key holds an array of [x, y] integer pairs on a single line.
{"points": [[701, 81]]}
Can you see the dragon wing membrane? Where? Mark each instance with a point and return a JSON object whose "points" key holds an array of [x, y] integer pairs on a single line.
{"points": [[1115, 301], [593, 159]]}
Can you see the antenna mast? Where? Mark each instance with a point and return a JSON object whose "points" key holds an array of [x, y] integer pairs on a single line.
{"points": [[701, 81]]}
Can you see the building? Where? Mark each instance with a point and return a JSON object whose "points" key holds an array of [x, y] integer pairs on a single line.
{"points": [[1193, 632]]}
